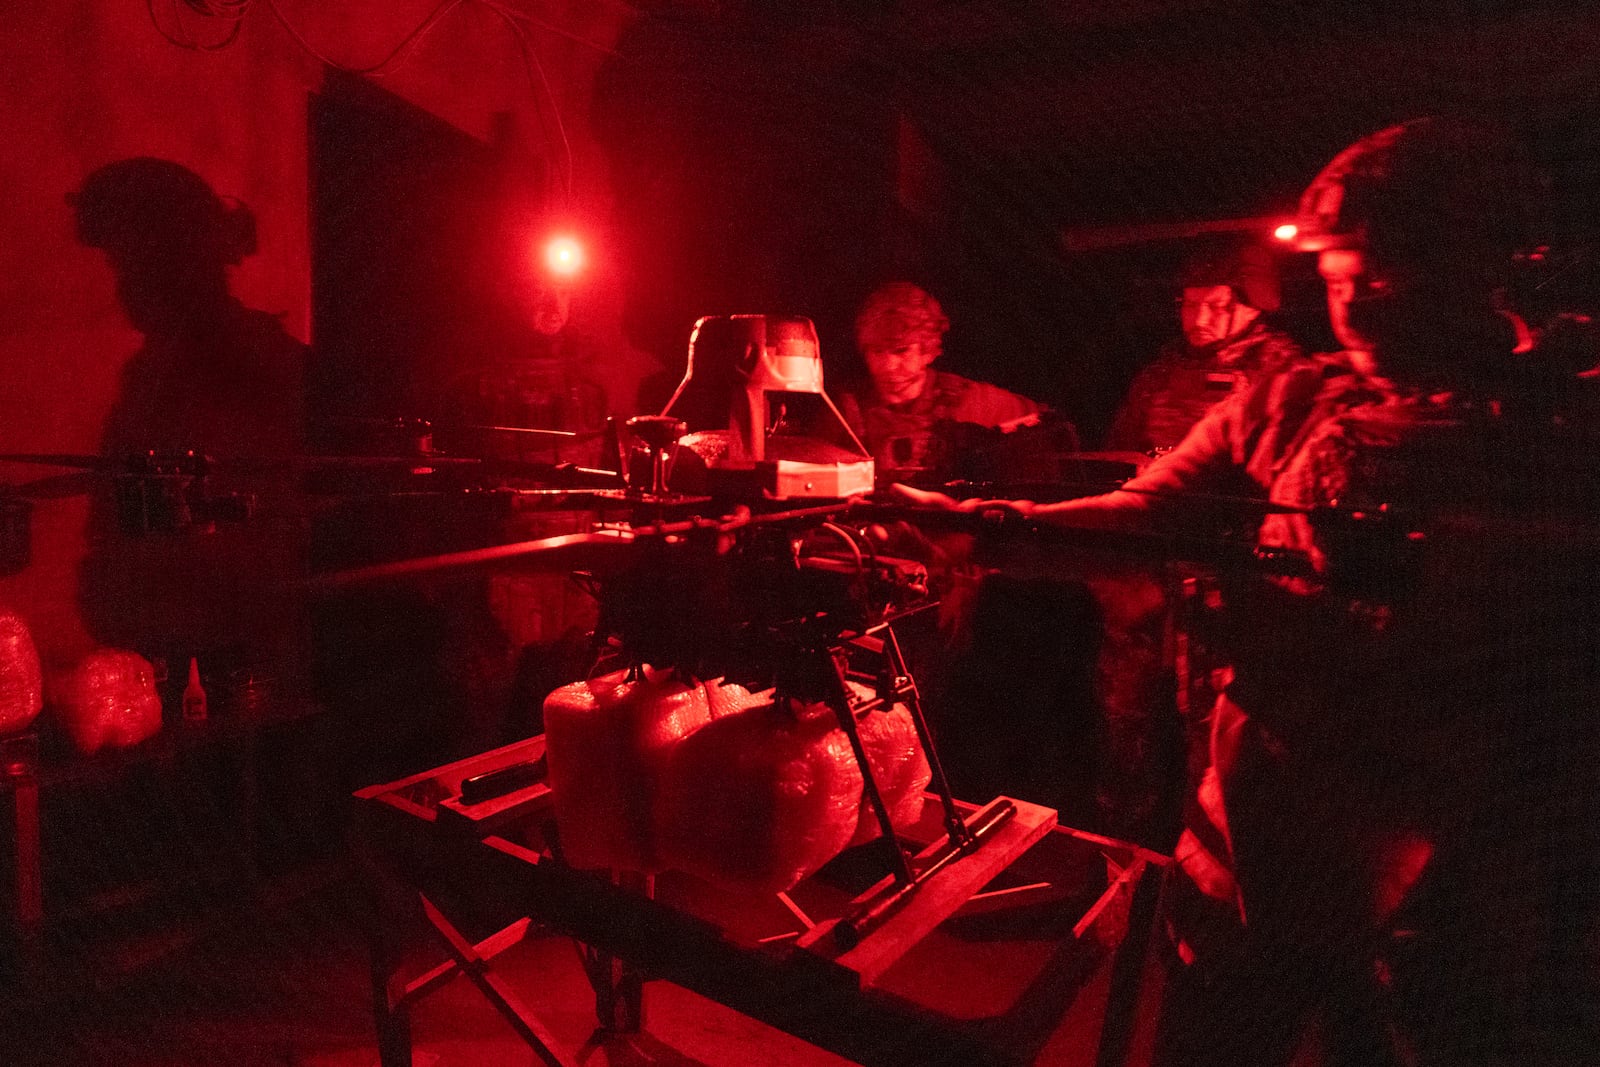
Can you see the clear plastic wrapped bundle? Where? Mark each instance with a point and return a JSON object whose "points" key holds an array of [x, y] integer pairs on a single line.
{"points": [[899, 766], [760, 798], [727, 698], [21, 683], [109, 699], [607, 743]]}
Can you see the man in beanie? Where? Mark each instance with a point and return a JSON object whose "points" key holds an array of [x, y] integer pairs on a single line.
{"points": [[1226, 345]]}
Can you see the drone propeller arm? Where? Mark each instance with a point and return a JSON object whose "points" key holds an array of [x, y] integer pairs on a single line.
{"points": [[1111, 534], [562, 552]]}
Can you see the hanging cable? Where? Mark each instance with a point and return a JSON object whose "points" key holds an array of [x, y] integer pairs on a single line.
{"points": [[234, 12], [231, 10], [378, 69], [530, 65], [523, 16]]}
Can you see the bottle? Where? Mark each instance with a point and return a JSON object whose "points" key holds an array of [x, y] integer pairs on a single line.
{"points": [[194, 696]]}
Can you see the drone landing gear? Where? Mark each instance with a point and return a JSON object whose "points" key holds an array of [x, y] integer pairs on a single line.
{"points": [[964, 833]]}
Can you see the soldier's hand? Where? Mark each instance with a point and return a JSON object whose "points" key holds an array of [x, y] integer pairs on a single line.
{"points": [[972, 505], [997, 511], [901, 493]]}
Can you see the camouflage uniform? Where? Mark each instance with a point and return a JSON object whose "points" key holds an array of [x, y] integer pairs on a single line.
{"points": [[1404, 758], [548, 391], [515, 635], [1173, 393], [910, 437], [1165, 400]]}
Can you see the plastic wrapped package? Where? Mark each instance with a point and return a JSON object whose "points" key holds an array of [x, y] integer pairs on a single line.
{"points": [[726, 698], [109, 698], [899, 766], [607, 742], [760, 798], [21, 683]]}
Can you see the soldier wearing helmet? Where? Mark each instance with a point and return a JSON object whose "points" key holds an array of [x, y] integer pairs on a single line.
{"points": [[1381, 851], [215, 377], [212, 374], [1414, 229], [1225, 346], [907, 413]]}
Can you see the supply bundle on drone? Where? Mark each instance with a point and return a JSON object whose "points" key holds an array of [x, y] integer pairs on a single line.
{"points": [[759, 420]]}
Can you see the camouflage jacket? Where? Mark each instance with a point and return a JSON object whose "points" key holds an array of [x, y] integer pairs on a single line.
{"points": [[1173, 393], [906, 437]]}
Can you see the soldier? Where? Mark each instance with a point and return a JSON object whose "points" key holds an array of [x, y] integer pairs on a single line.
{"points": [[909, 416], [1226, 345], [513, 637], [543, 383], [1403, 764]]}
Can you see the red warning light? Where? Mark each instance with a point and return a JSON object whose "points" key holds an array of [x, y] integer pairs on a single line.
{"points": [[563, 255], [1286, 232]]}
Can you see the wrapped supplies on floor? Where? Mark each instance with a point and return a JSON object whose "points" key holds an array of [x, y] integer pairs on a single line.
{"points": [[899, 766], [109, 699], [21, 682]]}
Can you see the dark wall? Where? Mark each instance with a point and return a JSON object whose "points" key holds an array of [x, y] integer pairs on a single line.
{"points": [[753, 169], [407, 281]]}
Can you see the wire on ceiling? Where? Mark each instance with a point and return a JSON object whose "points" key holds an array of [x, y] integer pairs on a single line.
{"points": [[401, 51], [531, 65], [234, 12], [231, 11]]}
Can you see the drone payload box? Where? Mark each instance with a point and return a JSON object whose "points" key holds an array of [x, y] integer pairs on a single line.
{"points": [[757, 417]]}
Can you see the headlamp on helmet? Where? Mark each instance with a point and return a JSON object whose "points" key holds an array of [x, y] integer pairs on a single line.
{"points": [[1441, 196]]}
